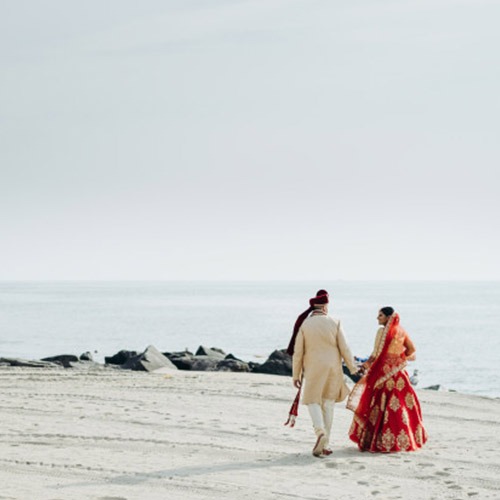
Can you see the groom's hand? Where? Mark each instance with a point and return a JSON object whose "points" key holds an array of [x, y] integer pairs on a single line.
{"points": [[297, 384]]}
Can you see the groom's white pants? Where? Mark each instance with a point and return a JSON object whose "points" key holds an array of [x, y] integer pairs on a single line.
{"points": [[322, 417]]}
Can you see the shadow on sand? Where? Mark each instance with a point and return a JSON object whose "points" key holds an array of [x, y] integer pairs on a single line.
{"points": [[288, 460]]}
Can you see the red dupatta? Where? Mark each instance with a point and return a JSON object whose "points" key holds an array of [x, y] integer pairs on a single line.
{"points": [[382, 368], [294, 410]]}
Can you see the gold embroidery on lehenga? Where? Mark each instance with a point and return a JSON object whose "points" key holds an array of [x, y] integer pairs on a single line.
{"points": [[410, 400], [388, 440], [390, 384], [394, 403], [403, 440], [357, 426], [383, 401], [400, 384], [418, 435], [404, 417], [359, 431], [374, 415], [386, 417], [359, 421], [389, 371]]}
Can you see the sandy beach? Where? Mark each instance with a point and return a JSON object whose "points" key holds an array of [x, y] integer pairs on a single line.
{"points": [[110, 435]]}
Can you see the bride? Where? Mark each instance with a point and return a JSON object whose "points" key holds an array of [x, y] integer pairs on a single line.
{"points": [[387, 414]]}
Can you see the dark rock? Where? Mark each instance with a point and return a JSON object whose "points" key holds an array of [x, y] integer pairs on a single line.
{"points": [[232, 365], [62, 359], [182, 360], [184, 363], [120, 358], [437, 387], [217, 349], [86, 356], [150, 360], [212, 352], [29, 363], [254, 367], [280, 355], [278, 363], [231, 356], [205, 364]]}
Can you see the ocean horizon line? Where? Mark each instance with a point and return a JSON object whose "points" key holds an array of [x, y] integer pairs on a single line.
{"points": [[209, 280]]}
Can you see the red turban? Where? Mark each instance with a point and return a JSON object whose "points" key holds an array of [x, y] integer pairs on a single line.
{"points": [[321, 298]]}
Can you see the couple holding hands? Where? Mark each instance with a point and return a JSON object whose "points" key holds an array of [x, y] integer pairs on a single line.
{"points": [[387, 415]]}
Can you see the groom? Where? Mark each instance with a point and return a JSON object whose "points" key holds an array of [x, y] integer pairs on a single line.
{"points": [[318, 347]]}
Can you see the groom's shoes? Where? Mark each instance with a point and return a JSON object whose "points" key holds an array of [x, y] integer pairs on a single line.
{"points": [[320, 445]]}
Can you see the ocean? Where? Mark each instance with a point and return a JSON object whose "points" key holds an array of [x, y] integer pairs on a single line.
{"points": [[454, 325]]}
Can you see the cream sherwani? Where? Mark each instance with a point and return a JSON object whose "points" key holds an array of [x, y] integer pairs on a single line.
{"points": [[320, 347]]}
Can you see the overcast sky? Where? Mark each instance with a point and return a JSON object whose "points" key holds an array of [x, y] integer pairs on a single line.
{"points": [[249, 139]]}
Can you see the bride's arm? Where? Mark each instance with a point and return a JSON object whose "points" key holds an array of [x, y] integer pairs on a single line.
{"points": [[409, 349]]}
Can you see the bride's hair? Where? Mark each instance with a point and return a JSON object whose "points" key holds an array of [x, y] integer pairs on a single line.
{"points": [[388, 311]]}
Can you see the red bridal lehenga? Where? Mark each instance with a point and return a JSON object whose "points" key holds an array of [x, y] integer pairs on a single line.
{"points": [[387, 414]]}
